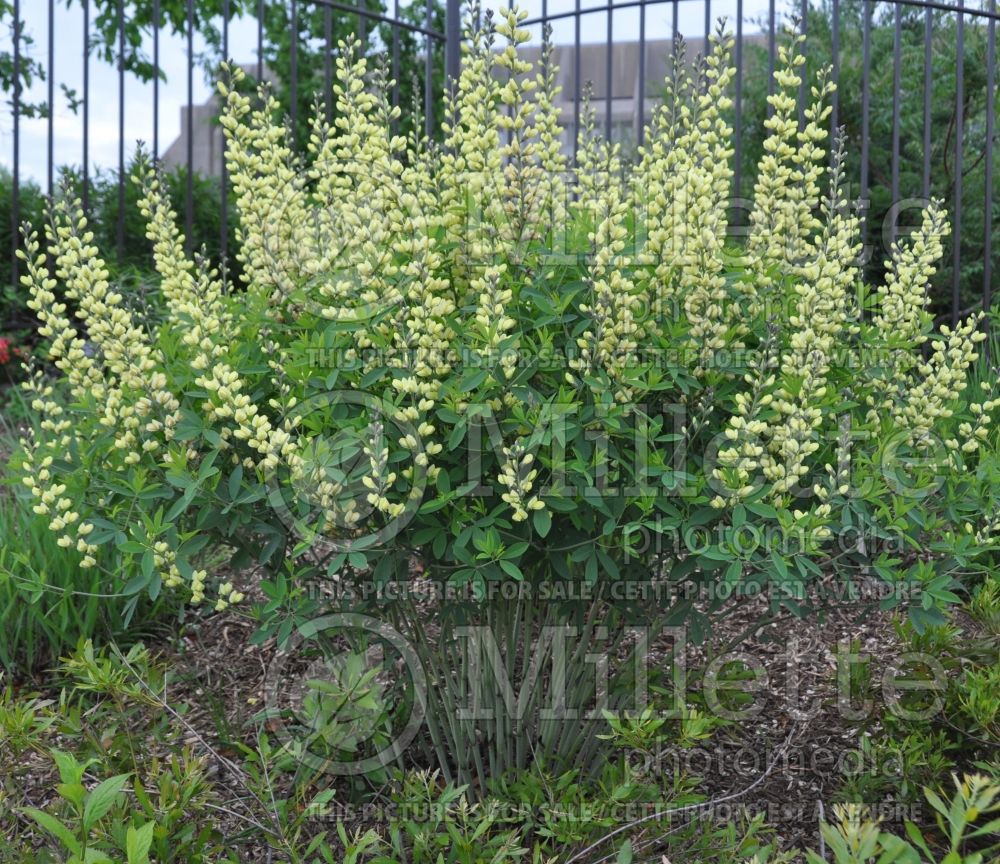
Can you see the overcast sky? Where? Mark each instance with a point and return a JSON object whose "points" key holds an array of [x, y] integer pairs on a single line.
{"points": [[138, 96]]}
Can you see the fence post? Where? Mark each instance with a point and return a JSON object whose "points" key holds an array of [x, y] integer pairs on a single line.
{"points": [[453, 40]]}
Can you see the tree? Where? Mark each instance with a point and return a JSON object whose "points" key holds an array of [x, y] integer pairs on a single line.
{"points": [[207, 18], [29, 69]]}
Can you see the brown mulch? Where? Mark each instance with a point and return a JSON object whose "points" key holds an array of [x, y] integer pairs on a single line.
{"points": [[797, 737], [799, 746], [802, 745]]}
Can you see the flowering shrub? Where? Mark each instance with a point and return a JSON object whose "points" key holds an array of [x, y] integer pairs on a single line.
{"points": [[516, 373]]}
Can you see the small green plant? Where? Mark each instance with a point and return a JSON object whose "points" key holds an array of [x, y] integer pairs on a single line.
{"points": [[86, 809], [48, 603], [905, 758], [984, 605], [99, 825], [440, 823], [978, 694], [967, 824], [950, 726], [114, 800]]}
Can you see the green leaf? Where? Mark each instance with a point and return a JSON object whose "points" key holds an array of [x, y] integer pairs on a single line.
{"points": [[608, 563], [137, 843], [542, 520], [590, 569], [733, 572], [625, 853], [102, 799], [434, 504], [181, 504], [235, 481], [56, 828], [135, 584], [516, 550], [765, 510], [70, 771], [511, 569], [472, 380]]}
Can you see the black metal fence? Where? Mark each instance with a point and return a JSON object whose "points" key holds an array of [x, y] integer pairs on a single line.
{"points": [[916, 92], [359, 18]]}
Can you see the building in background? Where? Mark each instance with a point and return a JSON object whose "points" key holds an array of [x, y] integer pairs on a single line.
{"points": [[626, 114], [209, 144], [628, 111]]}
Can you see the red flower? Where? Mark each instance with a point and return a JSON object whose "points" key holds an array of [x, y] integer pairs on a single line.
{"points": [[4, 352]]}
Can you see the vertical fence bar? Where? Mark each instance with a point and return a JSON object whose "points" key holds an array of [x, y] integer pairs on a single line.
{"points": [[121, 130], [835, 67], [86, 108], [509, 109], [576, 80], [260, 40], [804, 15], [429, 70], [293, 60], [15, 190], [608, 82], [641, 132], [189, 192], [708, 24], [897, 50], [328, 63], [738, 104], [956, 237], [991, 50], [546, 36], [395, 61], [51, 136], [865, 102], [771, 23], [928, 96], [224, 172], [156, 80], [453, 38]]}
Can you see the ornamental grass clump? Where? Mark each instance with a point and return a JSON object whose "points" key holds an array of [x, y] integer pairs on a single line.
{"points": [[529, 384]]}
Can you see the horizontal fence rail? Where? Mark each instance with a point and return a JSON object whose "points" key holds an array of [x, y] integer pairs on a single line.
{"points": [[916, 94]]}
